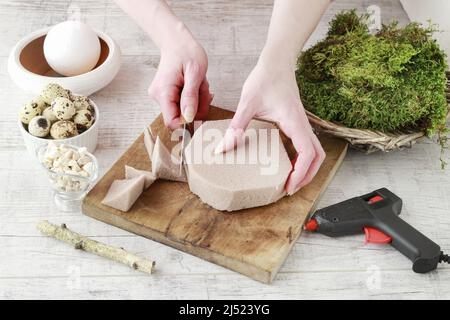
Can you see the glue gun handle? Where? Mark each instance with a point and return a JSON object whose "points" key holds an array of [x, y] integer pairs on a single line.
{"points": [[423, 252]]}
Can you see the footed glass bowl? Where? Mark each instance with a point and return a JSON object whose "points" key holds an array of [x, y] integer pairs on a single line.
{"points": [[69, 189]]}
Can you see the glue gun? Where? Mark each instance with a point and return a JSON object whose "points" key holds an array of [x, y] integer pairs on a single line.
{"points": [[377, 215]]}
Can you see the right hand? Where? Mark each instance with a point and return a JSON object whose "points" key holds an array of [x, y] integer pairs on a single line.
{"points": [[180, 85], [271, 93]]}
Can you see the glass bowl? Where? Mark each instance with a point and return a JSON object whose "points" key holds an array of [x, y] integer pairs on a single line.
{"points": [[69, 189]]}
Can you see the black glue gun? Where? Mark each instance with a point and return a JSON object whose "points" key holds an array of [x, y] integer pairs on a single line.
{"points": [[377, 215]]}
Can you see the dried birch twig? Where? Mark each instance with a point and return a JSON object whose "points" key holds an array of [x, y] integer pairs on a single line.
{"points": [[81, 242]]}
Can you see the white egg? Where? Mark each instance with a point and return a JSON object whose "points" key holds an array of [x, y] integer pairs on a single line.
{"points": [[72, 48]]}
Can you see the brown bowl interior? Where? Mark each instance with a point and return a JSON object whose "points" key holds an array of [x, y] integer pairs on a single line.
{"points": [[32, 57]]}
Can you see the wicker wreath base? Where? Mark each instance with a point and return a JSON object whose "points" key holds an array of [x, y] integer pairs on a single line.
{"points": [[371, 140], [363, 139]]}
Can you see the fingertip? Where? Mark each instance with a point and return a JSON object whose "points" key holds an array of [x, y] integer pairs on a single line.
{"points": [[219, 148], [189, 103], [174, 123], [230, 140], [292, 192], [190, 96], [189, 112], [293, 182]]}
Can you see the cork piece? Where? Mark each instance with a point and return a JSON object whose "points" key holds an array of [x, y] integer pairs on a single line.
{"points": [[131, 173], [149, 142], [232, 184], [165, 165], [123, 193]]}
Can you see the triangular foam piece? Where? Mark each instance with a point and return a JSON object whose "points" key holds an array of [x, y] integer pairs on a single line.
{"points": [[131, 173], [149, 142], [123, 193], [165, 165]]}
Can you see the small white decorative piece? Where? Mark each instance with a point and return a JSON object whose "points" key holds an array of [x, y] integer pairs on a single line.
{"points": [[68, 176], [374, 13]]}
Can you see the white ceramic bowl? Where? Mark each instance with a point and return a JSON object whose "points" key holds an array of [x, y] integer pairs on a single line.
{"points": [[86, 139], [30, 71]]}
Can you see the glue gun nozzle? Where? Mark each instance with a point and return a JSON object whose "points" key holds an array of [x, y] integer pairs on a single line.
{"points": [[311, 225]]}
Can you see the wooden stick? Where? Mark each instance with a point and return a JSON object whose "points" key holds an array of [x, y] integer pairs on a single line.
{"points": [[81, 242]]}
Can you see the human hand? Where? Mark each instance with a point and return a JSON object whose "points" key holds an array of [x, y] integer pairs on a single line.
{"points": [[180, 82], [271, 93]]}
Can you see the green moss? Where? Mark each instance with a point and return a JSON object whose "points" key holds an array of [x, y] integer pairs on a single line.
{"points": [[388, 81]]}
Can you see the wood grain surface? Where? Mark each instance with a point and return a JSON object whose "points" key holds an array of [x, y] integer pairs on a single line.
{"points": [[233, 33], [254, 242]]}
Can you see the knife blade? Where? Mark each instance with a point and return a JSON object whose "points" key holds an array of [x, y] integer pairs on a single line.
{"points": [[184, 142]]}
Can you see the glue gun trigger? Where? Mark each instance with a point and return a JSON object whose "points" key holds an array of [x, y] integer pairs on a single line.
{"points": [[376, 236]]}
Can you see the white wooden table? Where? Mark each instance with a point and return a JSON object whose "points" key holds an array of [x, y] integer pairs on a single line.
{"points": [[233, 33]]}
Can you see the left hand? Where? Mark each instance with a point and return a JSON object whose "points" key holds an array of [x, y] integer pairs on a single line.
{"points": [[180, 85], [271, 93]]}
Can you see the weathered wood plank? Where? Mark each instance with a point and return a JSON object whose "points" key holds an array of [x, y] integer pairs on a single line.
{"points": [[223, 27], [367, 284], [232, 33]]}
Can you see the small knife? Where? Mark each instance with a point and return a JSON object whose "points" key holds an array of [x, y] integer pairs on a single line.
{"points": [[184, 142]]}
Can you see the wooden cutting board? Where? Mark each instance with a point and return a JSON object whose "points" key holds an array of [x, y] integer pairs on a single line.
{"points": [[254, 242]]}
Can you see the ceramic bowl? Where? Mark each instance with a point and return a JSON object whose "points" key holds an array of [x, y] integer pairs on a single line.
{"points": [[30, 71], [86, 139]]}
